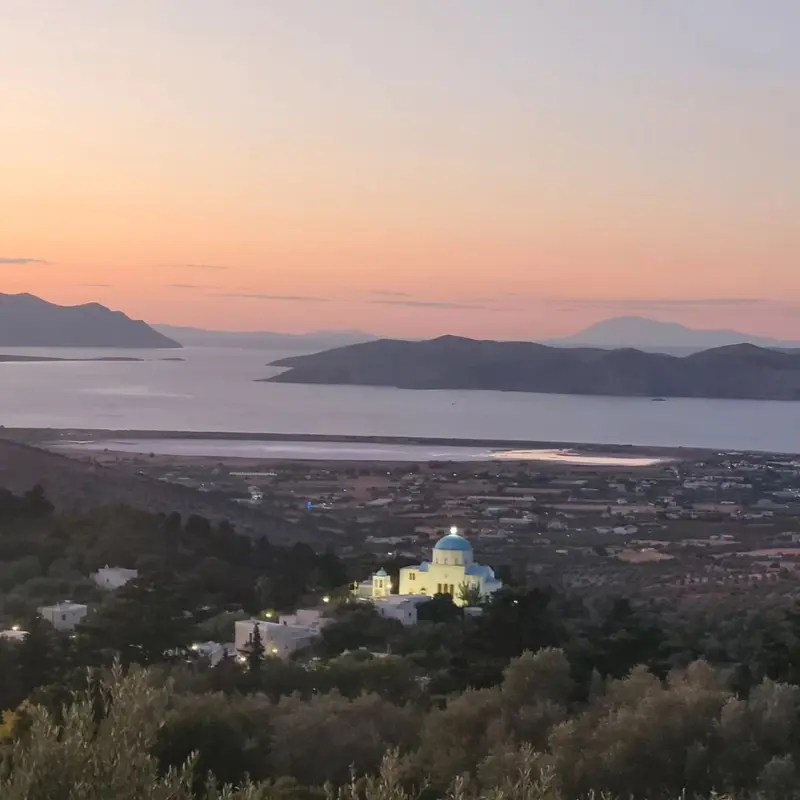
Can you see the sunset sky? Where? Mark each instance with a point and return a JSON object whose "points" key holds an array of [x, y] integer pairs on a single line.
{"points": [[497, 168]]}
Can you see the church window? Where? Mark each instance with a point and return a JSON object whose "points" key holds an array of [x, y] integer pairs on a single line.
{"points": [[412, 576]]}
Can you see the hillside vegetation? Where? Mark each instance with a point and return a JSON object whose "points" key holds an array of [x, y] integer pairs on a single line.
{"points": [[546, 694]]}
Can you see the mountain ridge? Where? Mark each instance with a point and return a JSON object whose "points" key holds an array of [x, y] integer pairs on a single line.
{"points": [[736, 371], [29, 321]]}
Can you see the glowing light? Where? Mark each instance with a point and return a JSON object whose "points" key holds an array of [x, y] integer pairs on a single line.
{"points": [[269, 614], [326, 599], [454, 530], [15, 628], [274, 650]]}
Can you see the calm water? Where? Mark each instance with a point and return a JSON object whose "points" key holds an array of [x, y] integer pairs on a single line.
{"points": [[214, 390]]}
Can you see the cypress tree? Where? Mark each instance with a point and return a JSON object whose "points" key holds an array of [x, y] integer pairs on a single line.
{"points": [[255, 650]]}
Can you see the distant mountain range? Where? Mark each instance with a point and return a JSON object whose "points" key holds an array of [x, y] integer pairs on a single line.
{"points": [[263, 340], [742, 371], [28, 321], [657, 336], [639, 332]]}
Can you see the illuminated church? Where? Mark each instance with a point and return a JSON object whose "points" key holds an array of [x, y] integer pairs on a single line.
{"points": [[449, 571]]}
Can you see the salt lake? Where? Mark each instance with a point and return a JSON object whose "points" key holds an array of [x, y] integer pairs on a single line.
{"points": [[341, 451]]}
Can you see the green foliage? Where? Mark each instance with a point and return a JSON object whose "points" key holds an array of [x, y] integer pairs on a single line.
{"points": [[128, 737], [42, 657], [46, 556], [145, 622], [219, 628], [352, 734], [90, 759], [440, 608], [361, 627], [543, 695], [469, 594], [229, 737]]}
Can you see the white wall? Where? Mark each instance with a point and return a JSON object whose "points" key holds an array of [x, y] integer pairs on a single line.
{"points": [[113, 577], [279, 640], [64, 617]]}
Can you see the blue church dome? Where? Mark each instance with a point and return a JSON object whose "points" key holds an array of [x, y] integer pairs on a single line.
{"points": [[454, 541], [381, 573]]}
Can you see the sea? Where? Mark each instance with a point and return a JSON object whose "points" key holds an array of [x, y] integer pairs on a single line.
{"points": [[217, 389]]}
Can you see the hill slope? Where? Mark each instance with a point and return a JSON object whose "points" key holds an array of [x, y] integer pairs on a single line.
{"points": [[73, 483], [28, 321], [449, 362]]}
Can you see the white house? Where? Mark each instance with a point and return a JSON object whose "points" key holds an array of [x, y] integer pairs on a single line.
{"points": [[13, 634], [400, 607], [64, 616], [113, 577], [213, 652], [282, 638], [451, 568]]}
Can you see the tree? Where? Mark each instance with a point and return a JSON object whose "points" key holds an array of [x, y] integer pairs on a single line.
{"points": [[362, 627], [543, 676], [229, 736], [11, 691], [255, 650], [326, 737], [536, 691], [645, 738], [392, 678], [220, 628], [41, 655], [264, 591], [470, 594], [332, 572], [440, 608], [456, 738], [94, 758], [147, 621], [36, 502]]}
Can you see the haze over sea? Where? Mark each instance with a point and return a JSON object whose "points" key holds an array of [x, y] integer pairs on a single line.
{"points": [[216, 390]]}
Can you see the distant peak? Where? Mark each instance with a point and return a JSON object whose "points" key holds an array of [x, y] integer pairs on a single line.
{"points": [[451, 337], [637, 331]]}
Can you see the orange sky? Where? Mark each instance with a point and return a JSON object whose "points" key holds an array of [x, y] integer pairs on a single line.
{"points": [[508, 170]]}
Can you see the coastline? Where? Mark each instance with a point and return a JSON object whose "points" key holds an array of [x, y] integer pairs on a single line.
{"points": [[22, 359], [45, 436]]}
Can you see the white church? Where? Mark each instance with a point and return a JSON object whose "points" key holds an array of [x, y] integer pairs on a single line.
{"points": [[450, 571]]}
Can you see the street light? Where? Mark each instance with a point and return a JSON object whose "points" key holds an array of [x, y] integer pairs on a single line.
{"points": [[326, 599]]}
